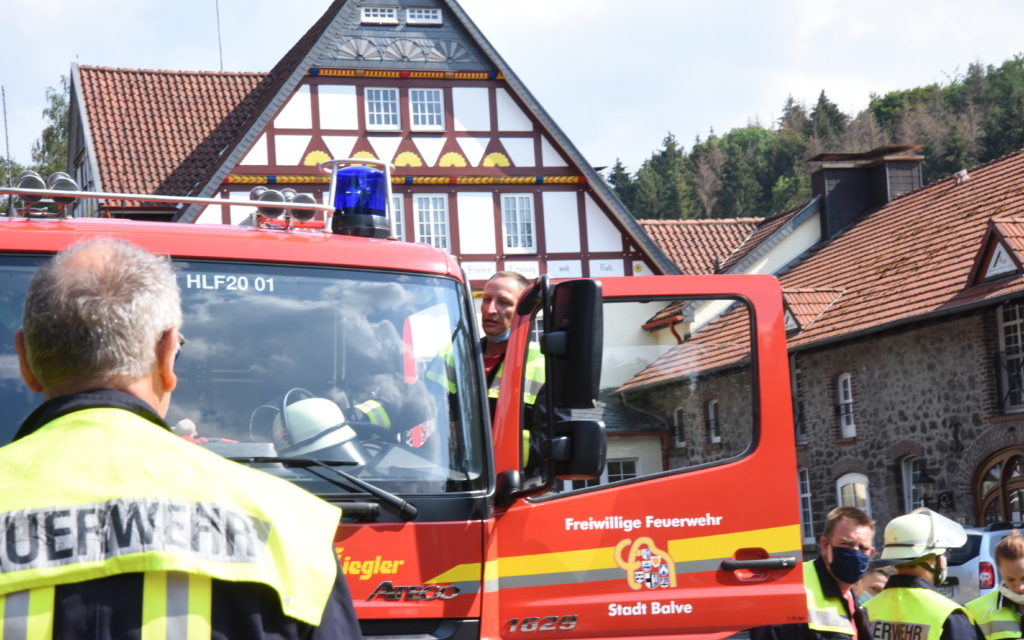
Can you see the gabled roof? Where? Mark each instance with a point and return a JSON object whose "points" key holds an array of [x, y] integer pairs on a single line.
{"points": [[153, 121], [332, 42], [909, 261], [769, 227], [807, 305], [699, 246]]}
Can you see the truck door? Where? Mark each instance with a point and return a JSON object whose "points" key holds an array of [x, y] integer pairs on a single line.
{"points": [[693, 526]]}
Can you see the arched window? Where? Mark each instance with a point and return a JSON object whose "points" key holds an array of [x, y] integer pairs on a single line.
{"points": [[844, 398], [999, 487], [852, 491]]}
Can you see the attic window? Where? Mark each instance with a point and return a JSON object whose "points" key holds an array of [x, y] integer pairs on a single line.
{"points": [[1000, 263], [378, 15], [791, 323], [423, 16]]}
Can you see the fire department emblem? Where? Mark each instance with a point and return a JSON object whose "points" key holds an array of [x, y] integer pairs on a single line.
{"points": [[646, 566]]}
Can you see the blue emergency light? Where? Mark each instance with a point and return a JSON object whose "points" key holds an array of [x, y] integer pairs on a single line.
{"points": [[361, 203]]}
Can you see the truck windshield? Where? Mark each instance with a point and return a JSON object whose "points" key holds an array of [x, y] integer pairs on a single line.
{"points": [[292, 361]]}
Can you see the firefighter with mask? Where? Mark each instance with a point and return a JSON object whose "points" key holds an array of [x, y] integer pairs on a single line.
{"points": [[998, 613], [910, 606], [832, 610]]}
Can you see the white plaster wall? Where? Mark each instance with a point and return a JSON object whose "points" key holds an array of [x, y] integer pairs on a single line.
{"points": [[561, 222], [471, 109], [510, 116], [601, 233], [338, 106], [479, 270], [476, 222], [565, 268], [340, 146], [646, 450], [473, 149], [550, 157], [520, 151], [607, 268], [429, 148], [258, 154], [297, 113], [529, 269], [289, 150], [801, 239]]}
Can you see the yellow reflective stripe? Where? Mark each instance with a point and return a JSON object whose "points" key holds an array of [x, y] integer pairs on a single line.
{"points": [[154, 606], [200, 607], [27, 615], [176, 606], [1000, 629], [773, 540], [375, 412]]}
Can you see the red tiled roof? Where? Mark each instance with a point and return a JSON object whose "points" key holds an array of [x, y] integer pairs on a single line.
{"points": [[807, 305], [911, 258], [765, 229], [697, 246], [147, 123], [1012, 230]]}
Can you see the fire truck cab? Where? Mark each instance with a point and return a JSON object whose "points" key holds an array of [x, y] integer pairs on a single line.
{"points": [[647, 489]]}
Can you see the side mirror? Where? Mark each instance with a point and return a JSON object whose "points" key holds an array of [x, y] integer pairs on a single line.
{"points": [[572, 343], [579, 449]]}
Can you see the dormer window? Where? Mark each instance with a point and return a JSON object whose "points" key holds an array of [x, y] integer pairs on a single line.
{"points": [[378, 15], [423, 17], [1000, 264]]}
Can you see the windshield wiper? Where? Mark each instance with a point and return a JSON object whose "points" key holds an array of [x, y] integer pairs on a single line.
{"points": [[406, 510]]}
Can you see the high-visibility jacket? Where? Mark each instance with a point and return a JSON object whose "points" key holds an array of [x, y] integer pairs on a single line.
{"points": [[102, 491], [911, 612], [996, 616], [825, 614], [534, 374]]}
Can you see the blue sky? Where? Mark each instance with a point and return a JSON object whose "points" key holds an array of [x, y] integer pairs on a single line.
{"points": [[616, 76]]}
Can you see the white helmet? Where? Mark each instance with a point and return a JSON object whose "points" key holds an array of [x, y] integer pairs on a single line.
{"points": [[313, 424], [920, 533]]}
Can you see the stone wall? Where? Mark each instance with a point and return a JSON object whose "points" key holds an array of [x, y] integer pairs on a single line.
{"points": [[928, 390]]}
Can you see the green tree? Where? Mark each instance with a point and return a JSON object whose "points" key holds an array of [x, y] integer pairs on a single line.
{"points": [[50, 151], [828, 122], [623, 185]]}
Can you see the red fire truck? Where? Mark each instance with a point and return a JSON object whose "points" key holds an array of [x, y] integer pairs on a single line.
{"points": [[451, 527]]}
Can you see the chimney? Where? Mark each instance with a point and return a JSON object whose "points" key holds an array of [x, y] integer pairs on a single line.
{"points": [[852, 184]]}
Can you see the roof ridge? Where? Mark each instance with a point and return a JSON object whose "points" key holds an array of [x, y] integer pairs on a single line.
{"points": [[126, 70], [653, 221]]}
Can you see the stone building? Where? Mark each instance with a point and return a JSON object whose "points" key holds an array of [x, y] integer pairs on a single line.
{"points": [[905, 322]]}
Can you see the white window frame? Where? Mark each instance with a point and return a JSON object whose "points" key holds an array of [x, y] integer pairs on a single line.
{"points": [[714, 427], [844, 402], [424, 16], [378, 116], [421, 118], [1010, 321], [398, 213], [378, 15], [803, 478], [432, 223], [851, 480], [518, 225], [912, 497], [622, 474], [679, 427]]}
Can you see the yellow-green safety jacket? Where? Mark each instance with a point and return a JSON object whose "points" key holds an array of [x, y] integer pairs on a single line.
{"points": [[825, 614], [910, 612], [103, 491], [996, 616]]}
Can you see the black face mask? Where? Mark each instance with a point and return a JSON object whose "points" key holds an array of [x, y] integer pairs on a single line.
{"points": [[848, 565]]}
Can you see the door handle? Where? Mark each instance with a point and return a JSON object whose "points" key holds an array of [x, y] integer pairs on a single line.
{"points": [[759, 564]]}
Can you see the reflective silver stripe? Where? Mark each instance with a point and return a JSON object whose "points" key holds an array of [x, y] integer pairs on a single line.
{"points": [[830, 620], [16, 616], [375, 412], [177, 605], [999, 626]]}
